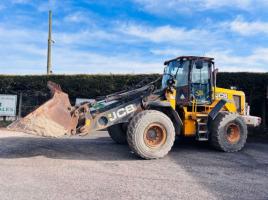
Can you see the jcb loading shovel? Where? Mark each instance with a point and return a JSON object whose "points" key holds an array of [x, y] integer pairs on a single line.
{"points": [[54, 118], [188, 104]]}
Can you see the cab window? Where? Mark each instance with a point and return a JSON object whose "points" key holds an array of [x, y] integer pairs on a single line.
{"points": [[200, 81], [200, 73], [182, 74]]}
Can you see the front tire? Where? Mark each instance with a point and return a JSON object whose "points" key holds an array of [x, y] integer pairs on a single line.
{"points": [[151, 134], [228, 132]]}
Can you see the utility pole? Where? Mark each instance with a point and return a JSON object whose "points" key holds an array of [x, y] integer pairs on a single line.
{"points": [[49, 70]]}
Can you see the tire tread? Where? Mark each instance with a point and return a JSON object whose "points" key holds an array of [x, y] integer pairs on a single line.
{"points": [[133, 125], [215, 133]]}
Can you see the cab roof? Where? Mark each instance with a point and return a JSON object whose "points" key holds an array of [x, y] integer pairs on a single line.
{"points": [[189, 58]]}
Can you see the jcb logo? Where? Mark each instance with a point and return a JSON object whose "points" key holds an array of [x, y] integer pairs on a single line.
{"points": [[122, 112]]}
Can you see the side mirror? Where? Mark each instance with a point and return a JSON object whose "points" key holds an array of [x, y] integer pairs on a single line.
{"points": [[199, 64], [170, 82], [215, 71]]}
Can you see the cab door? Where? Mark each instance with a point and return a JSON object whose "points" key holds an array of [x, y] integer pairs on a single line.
{"points": [[200, 82], [182, 83]]}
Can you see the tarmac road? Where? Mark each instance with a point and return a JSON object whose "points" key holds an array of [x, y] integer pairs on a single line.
{"points": [[96, 168]]}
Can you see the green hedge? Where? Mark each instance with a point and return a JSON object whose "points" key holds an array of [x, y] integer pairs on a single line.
{"points": [[35, 92]]}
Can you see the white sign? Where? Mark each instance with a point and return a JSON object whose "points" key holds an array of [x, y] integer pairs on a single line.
{"points": [[8, 105], [79, 101]]}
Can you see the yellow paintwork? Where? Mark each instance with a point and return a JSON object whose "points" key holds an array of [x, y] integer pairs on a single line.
{"points": [[171, 97], [189, 127], [191, 115], [230, 105], [88, 122]]}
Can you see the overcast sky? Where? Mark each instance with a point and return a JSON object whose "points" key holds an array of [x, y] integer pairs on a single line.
{"points": [[132, 36]]}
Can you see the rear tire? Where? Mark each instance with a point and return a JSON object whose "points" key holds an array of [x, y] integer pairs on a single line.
{"points": [[228, 132], [118, 133], [151, 134]]}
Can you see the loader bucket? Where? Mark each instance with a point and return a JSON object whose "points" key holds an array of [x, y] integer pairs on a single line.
{"points": [[52, 119]]}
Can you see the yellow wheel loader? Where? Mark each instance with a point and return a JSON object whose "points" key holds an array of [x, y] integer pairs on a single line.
{"points": [[188, 104]]}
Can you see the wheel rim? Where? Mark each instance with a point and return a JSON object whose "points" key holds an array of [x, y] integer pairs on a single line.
{"points": [[233, 133], [155, 135]]}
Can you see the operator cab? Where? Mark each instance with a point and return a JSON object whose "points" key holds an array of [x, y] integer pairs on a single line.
{"points": [[192, 78]]}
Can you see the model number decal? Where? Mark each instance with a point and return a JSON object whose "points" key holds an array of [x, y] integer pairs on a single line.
{"points": [[121, 112], [221, 96]]}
